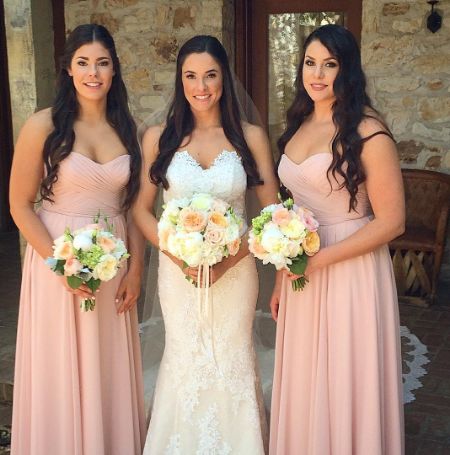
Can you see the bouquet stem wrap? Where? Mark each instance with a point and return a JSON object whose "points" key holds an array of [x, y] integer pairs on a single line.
{"points": [[205, 310]]}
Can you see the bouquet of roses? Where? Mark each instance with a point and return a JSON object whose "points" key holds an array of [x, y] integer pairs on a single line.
{"points": [[285, 235], [88, 255], [200, 230]]}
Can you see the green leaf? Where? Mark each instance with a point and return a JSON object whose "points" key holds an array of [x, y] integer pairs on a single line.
{"points": [[298, 265], [93, 284], [59, 267], [74, 282]]}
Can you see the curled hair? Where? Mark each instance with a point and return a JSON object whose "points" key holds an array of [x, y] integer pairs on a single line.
{"points": [[351, 106], [180, 121], [65, 110]]}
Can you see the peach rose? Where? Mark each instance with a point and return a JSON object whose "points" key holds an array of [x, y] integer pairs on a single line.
{"points": [[233, 247], [72, 266], [218, 219], [256, 246], [191, 220], [281, 216], [106, 244], [63, 250], [311, 244]]}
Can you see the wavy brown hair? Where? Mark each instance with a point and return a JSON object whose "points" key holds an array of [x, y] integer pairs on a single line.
{"points": [[65, 110], [180, 121], [351, 106]]}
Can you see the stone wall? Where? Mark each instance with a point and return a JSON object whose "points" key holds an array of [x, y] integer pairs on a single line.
{"points": [[408, 69], [148, 34]]}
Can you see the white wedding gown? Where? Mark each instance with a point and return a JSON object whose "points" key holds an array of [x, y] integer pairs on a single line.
{"points": [[208, 398]]}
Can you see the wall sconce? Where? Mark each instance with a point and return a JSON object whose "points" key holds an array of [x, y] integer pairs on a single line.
{"points": [[434, 20]]}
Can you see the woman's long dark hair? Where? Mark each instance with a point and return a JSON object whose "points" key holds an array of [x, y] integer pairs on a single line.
{"points": [[352, 105], [65, 109], [180, 121]]}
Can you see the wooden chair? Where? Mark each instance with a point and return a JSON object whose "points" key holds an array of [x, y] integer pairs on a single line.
{"points": [[417, 254]]}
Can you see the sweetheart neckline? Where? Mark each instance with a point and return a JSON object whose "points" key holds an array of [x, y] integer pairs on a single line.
{"points": [[306, 159], [214, 161], [97, 163]]}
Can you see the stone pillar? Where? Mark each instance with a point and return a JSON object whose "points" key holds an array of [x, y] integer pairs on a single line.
{"points": [[28, 25]]}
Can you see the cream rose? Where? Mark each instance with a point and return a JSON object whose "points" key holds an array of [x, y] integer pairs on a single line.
{"points": [[215, 236], [295, 229], [106, 269]]}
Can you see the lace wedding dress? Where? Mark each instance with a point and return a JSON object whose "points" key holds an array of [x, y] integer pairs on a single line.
{"points": [[208, 398]]}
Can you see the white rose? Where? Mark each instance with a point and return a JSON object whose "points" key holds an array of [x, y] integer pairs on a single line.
{"points": [[272, 240], [190, 247], [171, 211], [83, 242], [201, 201], [106, 269], [294, 249]]}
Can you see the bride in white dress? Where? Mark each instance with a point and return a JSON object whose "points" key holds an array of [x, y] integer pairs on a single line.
{"points": [[208, 396]]}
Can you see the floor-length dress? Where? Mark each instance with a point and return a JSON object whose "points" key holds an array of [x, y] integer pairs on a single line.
{"points": [[337, 381], [78, 377], [208, 398]]}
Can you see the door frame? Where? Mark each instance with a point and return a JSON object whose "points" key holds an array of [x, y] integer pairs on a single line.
{"points": [[6, 136]]}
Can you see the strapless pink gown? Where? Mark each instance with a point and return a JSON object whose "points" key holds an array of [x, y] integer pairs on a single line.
{"points": [[337, 383], [78, 378]]}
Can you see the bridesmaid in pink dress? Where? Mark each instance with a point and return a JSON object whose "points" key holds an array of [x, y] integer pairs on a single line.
{"points": [[337, 384], [78, 385]]}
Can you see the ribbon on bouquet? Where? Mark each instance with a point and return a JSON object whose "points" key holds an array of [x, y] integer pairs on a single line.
{"points": [[205, 310]]}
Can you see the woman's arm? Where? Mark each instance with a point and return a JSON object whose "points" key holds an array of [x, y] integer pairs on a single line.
{"points": [[144, 205], [130, 286], [26, 176], [385, 190]]}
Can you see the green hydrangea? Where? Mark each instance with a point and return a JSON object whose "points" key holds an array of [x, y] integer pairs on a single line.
{"points": [[92, 257], [259, 222]]}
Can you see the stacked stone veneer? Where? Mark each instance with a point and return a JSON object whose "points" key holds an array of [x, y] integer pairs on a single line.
{"points": [[408, 69], [148, 34]]}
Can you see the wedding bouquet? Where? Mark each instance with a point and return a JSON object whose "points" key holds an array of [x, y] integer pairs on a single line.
{"points": [[88, 255], [201, 230], [285, 235]]}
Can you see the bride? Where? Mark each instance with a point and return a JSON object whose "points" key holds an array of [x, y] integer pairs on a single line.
{"points": [[207, 401]]}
